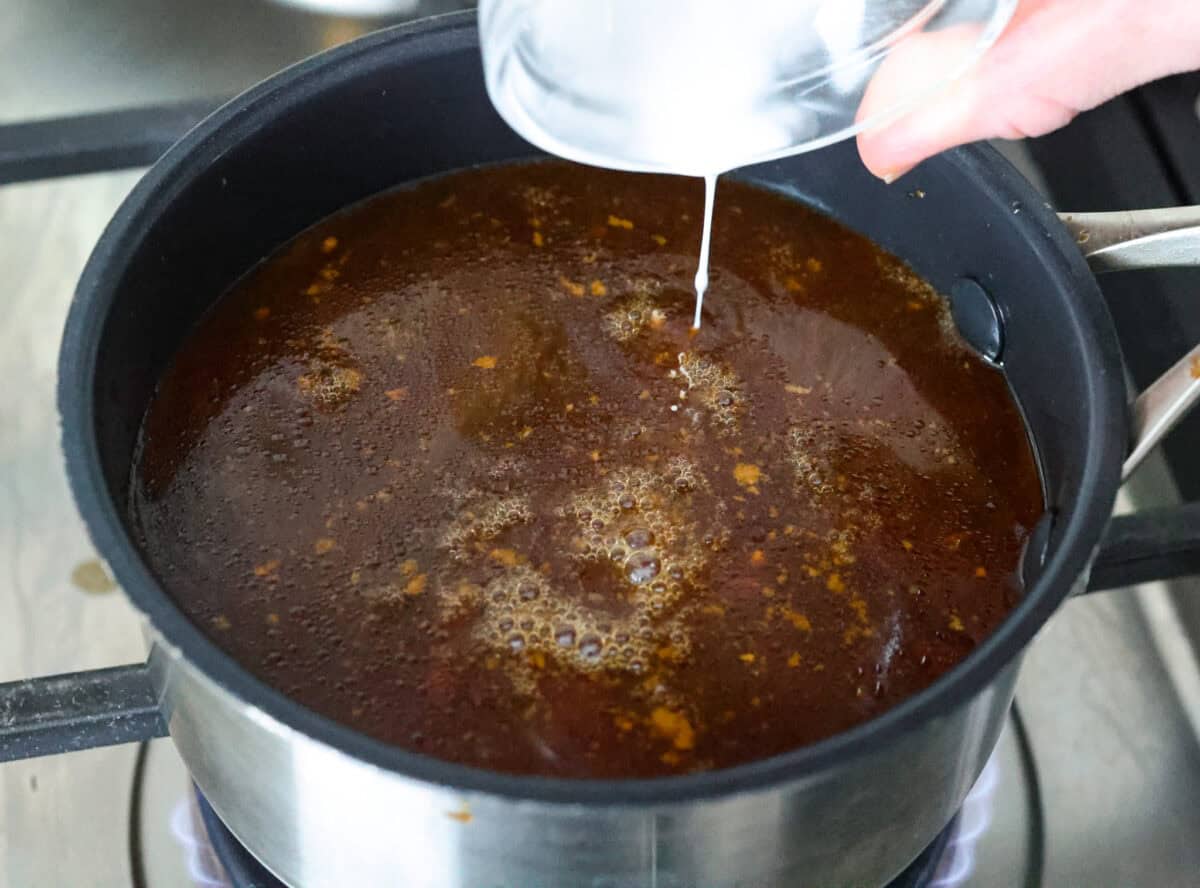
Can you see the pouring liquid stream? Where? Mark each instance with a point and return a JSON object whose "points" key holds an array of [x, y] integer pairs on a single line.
{"points": [[701, 283]]}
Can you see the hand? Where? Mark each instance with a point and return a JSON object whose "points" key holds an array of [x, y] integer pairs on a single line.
{"points": [[1055, 59]]}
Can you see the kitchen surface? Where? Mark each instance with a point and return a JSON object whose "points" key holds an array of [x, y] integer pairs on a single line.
{"points": [[1096, 781]]}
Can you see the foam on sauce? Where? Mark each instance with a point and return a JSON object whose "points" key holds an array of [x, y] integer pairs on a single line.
{"points": [[455, 467]]}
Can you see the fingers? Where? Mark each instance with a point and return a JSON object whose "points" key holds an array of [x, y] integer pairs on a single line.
{"points": [[1057, 58], [940, 120]]}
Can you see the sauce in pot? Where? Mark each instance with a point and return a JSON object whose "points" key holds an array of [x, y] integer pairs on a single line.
{"points": [[453, 467]]}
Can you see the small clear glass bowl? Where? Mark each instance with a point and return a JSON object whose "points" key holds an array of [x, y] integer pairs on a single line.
{"points": [[702, 86]]}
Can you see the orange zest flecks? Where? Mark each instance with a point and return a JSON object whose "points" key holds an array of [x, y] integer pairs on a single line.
{"points": [[507, 557], [799, 620], [573, 287], [673, 726], [748, 475]]}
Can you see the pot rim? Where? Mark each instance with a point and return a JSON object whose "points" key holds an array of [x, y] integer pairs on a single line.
{"points": [[1080, 526]]}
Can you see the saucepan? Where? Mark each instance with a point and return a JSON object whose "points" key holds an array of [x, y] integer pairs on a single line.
{"points": [[322, 805]]}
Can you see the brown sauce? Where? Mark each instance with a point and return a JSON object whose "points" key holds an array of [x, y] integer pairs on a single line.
{"points": [[451, 468]]}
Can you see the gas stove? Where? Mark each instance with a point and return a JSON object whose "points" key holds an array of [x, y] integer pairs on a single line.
{"points": [[1096, 780]]}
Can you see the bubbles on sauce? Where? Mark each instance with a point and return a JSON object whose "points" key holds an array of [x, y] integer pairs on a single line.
{"points": [[643, 519], [635, 527], [483, 519], [636, 313], [330, 385], [714, 386], [639, 538], [642, 567]]}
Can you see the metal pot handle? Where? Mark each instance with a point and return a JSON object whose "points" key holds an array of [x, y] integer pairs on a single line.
{"points": [[1122, 241], [1161, 543]]}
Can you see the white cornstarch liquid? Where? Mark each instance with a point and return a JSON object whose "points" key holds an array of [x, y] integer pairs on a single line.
{"points": [[710, 193]]}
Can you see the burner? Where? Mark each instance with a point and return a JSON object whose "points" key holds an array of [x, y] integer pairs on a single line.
{"points": [[241, 867], [927, 871]]}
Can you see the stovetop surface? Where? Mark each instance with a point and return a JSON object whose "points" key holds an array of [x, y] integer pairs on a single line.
{"points": [[1109, 693]]}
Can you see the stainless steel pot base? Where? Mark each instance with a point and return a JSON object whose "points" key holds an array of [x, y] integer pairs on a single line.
{"points": [[243, 871], [997, 837], [948, 862]]}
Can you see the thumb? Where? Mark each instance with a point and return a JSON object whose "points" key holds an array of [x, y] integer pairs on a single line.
{"points": [[1056, 58], [954, 115]]}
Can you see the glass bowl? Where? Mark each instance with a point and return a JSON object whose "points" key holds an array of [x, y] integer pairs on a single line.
{"points": [[703, 86]]}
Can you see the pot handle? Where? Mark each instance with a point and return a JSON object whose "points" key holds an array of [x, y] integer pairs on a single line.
{"points": [[1165, 238], [78, 710], [1157, 544], [96, 142]]}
